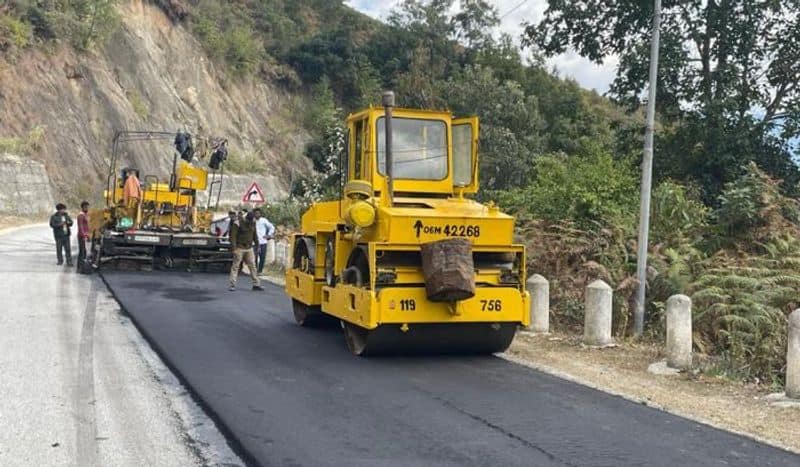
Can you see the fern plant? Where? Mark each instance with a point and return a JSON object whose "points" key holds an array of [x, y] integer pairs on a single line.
{"points": [[741, 306]]}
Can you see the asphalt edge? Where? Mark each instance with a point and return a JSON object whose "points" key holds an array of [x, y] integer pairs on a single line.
{"points": [[234, 443], [583, 382]]}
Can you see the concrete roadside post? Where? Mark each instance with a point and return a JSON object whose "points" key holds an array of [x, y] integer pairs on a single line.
{"points": [[539, 289], [793, 357], [597, 319], [287, 260], [280, 253], [270, 252], [679, 332]]}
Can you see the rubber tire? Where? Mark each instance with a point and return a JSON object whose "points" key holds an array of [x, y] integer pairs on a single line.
{"points": [[306, 315], [357, 261], [304, 246], [356, 338]]}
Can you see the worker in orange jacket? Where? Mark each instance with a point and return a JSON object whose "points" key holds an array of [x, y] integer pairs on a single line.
{"points": [[132, 190]]}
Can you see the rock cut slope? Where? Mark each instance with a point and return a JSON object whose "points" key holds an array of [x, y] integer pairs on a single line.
{"points": [[152, 74]]}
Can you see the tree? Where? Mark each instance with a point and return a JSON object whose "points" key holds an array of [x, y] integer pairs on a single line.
{"points": [[368, 82], [474, 23], [82, 23], [729, 70], [509, 123], [430, 23]]}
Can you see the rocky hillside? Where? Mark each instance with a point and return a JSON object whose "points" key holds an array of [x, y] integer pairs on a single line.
{"points": [[62, 108]]}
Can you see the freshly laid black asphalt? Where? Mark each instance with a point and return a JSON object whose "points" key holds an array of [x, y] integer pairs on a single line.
{"points": [[292, 396]]}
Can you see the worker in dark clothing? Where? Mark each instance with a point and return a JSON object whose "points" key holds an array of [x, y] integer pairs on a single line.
{"points": [[233, 217], [243, 237], [83, 231], [61, 224]]}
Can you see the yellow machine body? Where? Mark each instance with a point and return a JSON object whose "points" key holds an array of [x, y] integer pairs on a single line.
{"points": [[166, 227], [358, 258]]}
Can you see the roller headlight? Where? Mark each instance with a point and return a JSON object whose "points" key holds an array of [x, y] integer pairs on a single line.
{"points": [[361, 214]]}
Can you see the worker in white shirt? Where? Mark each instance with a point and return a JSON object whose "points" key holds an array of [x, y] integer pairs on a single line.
{"points": [[265, 231]]}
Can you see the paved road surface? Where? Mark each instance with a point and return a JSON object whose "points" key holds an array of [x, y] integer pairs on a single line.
{"points": [[293, 396], [78, 384]]}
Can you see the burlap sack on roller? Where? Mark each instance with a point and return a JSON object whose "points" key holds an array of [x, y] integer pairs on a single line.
{"points": [[449, 270]]}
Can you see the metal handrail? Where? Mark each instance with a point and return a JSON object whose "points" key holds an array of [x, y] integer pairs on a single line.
{"points": [[157, 207], [215, 182], [125, 136]]}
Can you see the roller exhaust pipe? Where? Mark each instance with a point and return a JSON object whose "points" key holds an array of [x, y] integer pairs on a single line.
{"points": [[388, 103]]}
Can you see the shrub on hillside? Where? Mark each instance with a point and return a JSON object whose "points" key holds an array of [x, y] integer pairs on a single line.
{"points": [[284, 212], [245, 163], [227, 34], [593, 189], [677, 215], [753, 209], [80, 23], [14, 34]]}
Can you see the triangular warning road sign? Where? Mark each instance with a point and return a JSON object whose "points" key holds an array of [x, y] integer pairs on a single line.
{"points": [[253, 194]]}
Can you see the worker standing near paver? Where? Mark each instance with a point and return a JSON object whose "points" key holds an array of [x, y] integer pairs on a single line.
{"points": [[61, 224], [265, 231], [243, 238], [83, 231], [131, 190]]}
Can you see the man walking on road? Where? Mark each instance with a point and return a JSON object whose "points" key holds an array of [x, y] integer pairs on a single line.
{"points": [[61, 224], [265, 231], [243, 238], [83, 231]]}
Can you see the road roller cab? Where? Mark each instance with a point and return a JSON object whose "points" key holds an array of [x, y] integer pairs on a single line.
{"points": [[405, 259]]}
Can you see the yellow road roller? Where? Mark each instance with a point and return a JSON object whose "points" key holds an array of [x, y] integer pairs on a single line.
{"points": [[405, 259]]}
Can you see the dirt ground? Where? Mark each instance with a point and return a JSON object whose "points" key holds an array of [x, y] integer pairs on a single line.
{"points": [[622, 370]]}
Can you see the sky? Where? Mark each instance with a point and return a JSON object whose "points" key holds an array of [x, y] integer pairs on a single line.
{"points": [[513, 14]]}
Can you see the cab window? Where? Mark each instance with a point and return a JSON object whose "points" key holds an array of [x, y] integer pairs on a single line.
{"points": [[462, 155], [359, 148], [419, 148]]}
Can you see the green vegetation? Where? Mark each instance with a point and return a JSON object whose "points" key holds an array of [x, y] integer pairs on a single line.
{"points": [[80, 23], [284, 212], [740, 262], [15, 35], [226, 33], [728, 79], [591, 188], [28, 145], [245, 163], [138, 104]]}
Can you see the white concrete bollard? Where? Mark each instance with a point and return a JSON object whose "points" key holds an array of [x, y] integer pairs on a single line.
{"points": [[539, 289], [270, 252], [679, 332], [597, 319], [280, 253], [793, 357], [287, 259]]}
